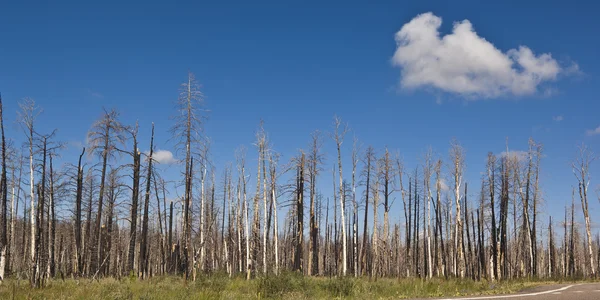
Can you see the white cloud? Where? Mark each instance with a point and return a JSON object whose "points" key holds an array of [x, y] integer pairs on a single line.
{"points": [[466, 64], [443, 185], [591, 132], [163, 157], [558, 118], [95, 94]]}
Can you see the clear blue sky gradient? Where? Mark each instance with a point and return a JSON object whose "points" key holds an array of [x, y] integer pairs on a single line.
{"points": [[295, 64]]}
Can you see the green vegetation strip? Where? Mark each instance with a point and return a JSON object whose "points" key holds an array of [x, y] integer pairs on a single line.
{"points": [[285, 286]]}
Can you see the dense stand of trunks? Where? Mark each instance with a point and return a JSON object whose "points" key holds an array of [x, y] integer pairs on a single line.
{"points": [[90, 220]]}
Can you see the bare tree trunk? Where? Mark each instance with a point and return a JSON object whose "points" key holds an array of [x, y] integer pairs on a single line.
{"points": [[387, 177], [14, 204], [241, 164], [581, 170], [457, 157], [187, 220], [135, 190], [369, 157], [299, 243], [78, 225], [427, 193], [375, 254], [160, 226], [202, 219], [355, 151], [272, 165], [339, 138], [315, 160], [144, 242], [260, 137], [438, 213], [52, 225], [491, 166], [265, 210], [4, 250], [28, 114]]}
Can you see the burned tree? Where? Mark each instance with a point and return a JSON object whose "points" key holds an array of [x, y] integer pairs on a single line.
{"points": [[104, 137], [339, 133], [187, 131], [581, 167], [315, 160]]}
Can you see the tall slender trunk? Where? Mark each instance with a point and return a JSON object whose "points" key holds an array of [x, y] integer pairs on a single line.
{"points": [[375, 254], [52, 226], [135, 190], [342, 212], [14, 208], [97, 257], [87, 245], [144, 242], [491, 183], [299, 243], [4, 250], [78, 225], [162, 268], [366, 218], [274, 203], [256, 220], [202, 221], [32, 217]]}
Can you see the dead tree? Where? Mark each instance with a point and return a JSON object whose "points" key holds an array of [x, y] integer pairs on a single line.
{"points": [[551, 250], [427, 172], [438, 214], [581, 167], [241, 165], [491, 174], [315, 160], [144, 259], [4, 249], [187, 131], [104, 136], [375, 238], [255, 241], [135, 195], [78, 224], [387, 177], [27, 116], [299, 239], [369, 164], [355, 265], [457, 159], [339, 133], [273, 171]]}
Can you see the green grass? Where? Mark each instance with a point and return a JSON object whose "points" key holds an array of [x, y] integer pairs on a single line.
{"points": [[286, 286]]}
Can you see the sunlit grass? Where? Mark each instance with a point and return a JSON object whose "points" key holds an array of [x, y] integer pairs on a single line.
{"points": [[285, 286]]}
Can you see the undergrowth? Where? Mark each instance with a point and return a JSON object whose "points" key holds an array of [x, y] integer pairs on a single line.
{"points": [[288, 285]]}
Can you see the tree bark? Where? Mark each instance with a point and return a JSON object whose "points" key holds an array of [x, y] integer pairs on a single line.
{"points": [[144, 242]]}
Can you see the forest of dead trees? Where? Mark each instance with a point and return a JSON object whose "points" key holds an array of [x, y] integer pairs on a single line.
{"points": [[95, 218]]}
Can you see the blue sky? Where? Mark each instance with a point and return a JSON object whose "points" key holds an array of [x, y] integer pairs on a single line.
{"points": [[297, 63]]}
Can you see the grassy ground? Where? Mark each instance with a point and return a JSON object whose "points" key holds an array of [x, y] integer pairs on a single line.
{"points": [[286, 286]]}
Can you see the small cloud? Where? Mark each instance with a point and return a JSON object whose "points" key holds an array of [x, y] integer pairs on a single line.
{"points": [[573, 69], [558, 118], [443, 185], [518, 155], [466, 64], [163, 157], [591, 132], [95, 94]]}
